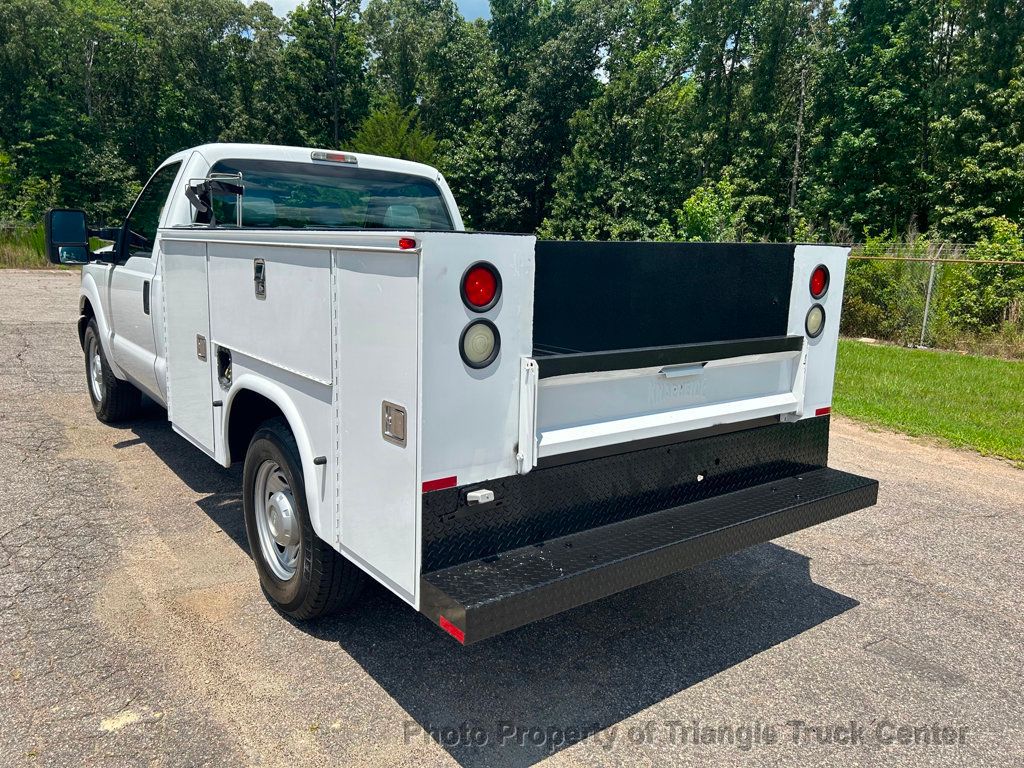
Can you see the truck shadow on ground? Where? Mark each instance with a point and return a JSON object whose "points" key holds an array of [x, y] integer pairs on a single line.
{"points": [[520, 697], [538, 689], [221, 488]]}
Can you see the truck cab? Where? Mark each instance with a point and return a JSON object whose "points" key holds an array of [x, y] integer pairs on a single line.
{"points": [[122, 287], [493, 427]]}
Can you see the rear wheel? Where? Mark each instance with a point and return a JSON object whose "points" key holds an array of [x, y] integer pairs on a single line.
{"points": [[112, 399], [299, 572]]}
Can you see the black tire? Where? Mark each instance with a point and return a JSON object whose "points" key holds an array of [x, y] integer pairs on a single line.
{"points": [[323, 581], [117, 400]]}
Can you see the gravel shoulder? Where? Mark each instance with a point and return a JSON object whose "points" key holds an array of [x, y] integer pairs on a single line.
{"points": [[133, 630]]}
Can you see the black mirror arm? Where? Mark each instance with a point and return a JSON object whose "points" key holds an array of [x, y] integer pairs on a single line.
{"points": [[111, 234], [226, 187], [199, 195], [105, 233]]}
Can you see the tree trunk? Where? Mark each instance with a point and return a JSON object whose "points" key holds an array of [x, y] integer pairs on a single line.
{"points": [[796, 152]]}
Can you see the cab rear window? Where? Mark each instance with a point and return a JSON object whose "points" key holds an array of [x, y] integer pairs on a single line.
{"points": [[286, 195]]}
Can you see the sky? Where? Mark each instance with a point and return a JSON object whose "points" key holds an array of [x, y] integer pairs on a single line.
{"points": [[471, 9]]}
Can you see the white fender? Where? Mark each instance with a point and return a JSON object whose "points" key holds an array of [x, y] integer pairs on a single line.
{"points": [[91, 291], [310, 472]]}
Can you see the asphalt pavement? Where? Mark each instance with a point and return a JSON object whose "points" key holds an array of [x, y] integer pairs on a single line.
{"points": [[133, 630]]}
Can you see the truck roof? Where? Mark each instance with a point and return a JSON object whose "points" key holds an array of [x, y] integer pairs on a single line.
{"points": [[216, 152]]}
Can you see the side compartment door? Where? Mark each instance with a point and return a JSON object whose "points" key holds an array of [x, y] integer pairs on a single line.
{"points": [[189, 351], [376, 379]]}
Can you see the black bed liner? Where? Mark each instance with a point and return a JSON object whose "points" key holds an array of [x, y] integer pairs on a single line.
{"points": [[596, 297], [552, 363]]}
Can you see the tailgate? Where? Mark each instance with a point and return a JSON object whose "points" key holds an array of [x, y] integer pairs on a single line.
{"points": [[583, 401], [657, 339]]}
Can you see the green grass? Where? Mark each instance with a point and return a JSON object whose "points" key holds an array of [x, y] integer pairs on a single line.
{"points": [[22, 248], [969, 401], [13, 257]]}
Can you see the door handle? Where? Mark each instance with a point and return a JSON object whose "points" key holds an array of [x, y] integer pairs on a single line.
{"points": [[679, 371], [145, 296]]}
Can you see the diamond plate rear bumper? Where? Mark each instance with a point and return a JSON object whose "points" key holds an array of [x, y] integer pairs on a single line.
{"points": [[481, 598]]}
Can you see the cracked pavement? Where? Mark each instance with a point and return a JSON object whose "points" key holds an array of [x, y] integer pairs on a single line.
{"points": [[133, 630]]}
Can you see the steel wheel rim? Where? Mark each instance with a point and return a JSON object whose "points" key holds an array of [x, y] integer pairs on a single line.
{"points": [[277, 523], [95, 371]]}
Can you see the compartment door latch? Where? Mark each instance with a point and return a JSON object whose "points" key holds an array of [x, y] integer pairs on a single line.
{"points": [[393, 423], [259, 277]]}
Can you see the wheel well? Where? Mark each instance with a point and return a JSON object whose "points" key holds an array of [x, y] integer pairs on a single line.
{"points": [[248, 410], [85, 314]]}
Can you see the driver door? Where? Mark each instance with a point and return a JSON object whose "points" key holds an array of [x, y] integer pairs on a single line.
{"points": [[134, 338]]}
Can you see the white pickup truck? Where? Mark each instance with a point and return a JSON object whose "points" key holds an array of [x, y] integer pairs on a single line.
{"points": [[493, 427]]}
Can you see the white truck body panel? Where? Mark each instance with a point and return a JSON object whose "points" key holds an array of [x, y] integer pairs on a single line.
{"points": [[325, 301], [302, 335], [294, 317], [471, 417], [350, 322], [377, 360], [820, 352], [308, 408], [189, 385], [134, 339]]}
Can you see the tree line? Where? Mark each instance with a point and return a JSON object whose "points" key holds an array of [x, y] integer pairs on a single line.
{"points": [[624, 119]]}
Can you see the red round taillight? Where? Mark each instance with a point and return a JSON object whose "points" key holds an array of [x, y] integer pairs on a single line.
{"points": [[481, 286], [819, 281]]}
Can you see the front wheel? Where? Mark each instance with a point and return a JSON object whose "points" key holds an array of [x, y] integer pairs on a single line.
{"points": [[299, 572], [113, 400]]}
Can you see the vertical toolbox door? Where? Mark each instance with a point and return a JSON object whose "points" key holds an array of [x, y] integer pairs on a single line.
{"points": [[189, 351], [377, 410]]}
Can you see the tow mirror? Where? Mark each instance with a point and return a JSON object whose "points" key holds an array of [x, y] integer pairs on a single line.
{"points": [[67, 239]]}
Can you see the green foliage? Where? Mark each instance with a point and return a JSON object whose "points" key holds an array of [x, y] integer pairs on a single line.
{"points": [[109, 185], [394, 132], [987, 296], [624, 119], [631, 161], [404, 38], [22, 247], [624, 179], [33, 196], [325, 70], [884, 299], [709, 214], [974, 306]]}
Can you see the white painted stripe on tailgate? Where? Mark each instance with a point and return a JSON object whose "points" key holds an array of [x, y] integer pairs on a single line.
{"points": [[578, 438]]}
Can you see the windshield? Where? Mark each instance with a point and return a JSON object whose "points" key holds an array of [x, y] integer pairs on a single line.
{"points": [[311, 195]]}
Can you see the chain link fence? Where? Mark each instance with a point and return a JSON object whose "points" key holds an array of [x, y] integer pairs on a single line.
{"points": [[959, 296]]}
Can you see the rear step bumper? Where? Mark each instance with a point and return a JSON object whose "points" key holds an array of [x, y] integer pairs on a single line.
{"points": [[479, 599]]}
